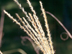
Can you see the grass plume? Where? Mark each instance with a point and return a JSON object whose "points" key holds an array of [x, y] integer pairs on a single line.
{"points": [[35, 31]]}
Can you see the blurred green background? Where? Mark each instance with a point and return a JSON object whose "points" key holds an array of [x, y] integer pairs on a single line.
{"points": [[12, 33]]}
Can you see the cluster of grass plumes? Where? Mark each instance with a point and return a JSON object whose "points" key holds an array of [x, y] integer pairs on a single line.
{"points": [[35, 31]]}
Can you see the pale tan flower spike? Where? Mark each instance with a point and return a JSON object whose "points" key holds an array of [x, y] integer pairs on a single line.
{"points": [[35, 31]]}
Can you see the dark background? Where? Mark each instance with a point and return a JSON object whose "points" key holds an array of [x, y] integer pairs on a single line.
{"points": [[12, 33]]}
